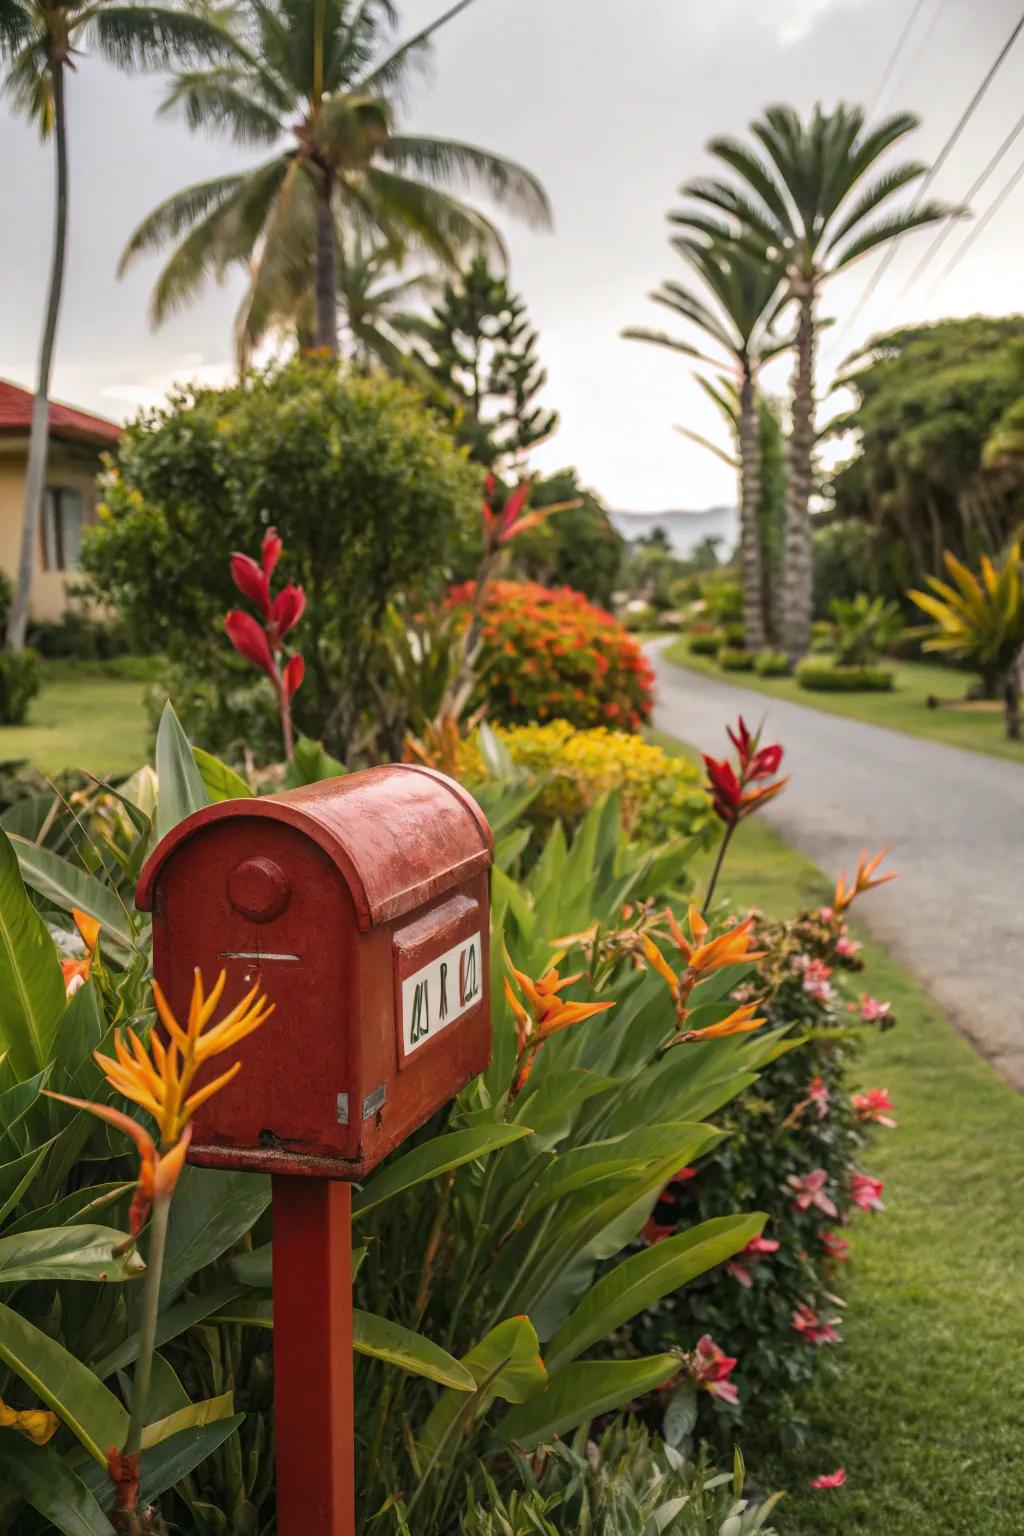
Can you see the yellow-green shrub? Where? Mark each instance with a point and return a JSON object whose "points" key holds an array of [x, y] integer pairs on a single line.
{"points": [[660, 795]]}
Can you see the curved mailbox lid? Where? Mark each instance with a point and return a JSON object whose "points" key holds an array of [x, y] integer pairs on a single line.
{"points": [[399, 835]]}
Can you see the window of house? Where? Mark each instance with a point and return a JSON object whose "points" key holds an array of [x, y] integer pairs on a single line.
{"points": [[63, 512]]}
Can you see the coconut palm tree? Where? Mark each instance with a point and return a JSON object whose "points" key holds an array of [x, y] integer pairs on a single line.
{"points": [[313, 84], [748, 294], [40, 42], [813, 199]]}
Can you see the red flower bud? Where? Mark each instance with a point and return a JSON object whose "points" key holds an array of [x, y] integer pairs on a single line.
{"points": [[250, 581], [249, 640], [271, 552], [291, 677], [286, 609]]}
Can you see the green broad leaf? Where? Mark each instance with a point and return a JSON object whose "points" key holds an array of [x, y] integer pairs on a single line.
{"points": [[68, 885], [255, 1310], [140, 820], [68, 1253], [171, 1322], [194, 1416], [48, 1485], [80, 1207], [167, 1463], [16, 1101], [219, 781], [211, 1211], [310, 763], [433, 1158], [181, 786], [680, 1417], [585, 1167], [388, 1341], [18, 1176], [255, 1268], [506, 1363], [645, 1278], [71, 1389], [31, 984], [581, 1392]]}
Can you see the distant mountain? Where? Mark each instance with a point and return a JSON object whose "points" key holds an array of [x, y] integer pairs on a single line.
{"points": [[684, 529]]}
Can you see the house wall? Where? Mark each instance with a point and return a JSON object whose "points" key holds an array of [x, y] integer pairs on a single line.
{"points": [[73, 466]]}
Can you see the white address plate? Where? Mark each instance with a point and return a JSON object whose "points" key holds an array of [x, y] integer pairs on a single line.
{"points": [[441, 992]]}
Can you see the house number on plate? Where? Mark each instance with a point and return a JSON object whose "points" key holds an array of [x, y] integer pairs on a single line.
{"points": [[441, 992]]}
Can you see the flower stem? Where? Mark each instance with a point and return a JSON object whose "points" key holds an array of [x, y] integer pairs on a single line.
{"points": [[147, 1332], [723, 848]]}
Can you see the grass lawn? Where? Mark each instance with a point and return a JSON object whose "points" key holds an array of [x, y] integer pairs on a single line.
{"points": [[926, 1413], [979, 728], [82, 718]]}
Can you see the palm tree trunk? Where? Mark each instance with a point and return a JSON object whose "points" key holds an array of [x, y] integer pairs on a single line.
{"points": [[750, 516], [799, 566], [39, 437], [326, 336]]}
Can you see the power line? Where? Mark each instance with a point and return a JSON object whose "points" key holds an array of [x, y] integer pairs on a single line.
{"points": [[982, 224], [894, 55], [938, 163], [972, 192], [915, 58]]}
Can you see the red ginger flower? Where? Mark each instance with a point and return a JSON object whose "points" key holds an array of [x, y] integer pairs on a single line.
{"points": [[261, 643], [732, 794]]}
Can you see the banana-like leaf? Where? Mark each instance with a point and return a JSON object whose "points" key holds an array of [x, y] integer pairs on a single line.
{"points": [[644, 1279], [165, 1464], [171, 1322], [581, 1392], [219, 781], [31, 984], [506, 1363], [385, 1340], [181, 785], [48, 1485], [433, 1158], [71, 1389], [68, 885], [194, 1416], [210, 1212], [68, 1253]]}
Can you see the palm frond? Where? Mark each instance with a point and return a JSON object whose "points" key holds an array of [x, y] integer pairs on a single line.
{"points": [[16, 27], [176, 215], [431, 219], [224, 99], [889, 228], [663, 339], [758, 176], [732, 201], [387, 75], [705, 442], [30, 86], [873, 196], [444, 161], [156, 36], [281, 275]]}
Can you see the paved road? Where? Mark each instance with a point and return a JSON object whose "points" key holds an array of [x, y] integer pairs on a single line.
{"points": [[955, 823]]}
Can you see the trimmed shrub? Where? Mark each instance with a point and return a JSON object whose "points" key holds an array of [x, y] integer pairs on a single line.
{"points": [[549, 654], [659, 795], [732, 659], [734, 634], [824, 677], [19, 684], [704, 642], [771, 664]]}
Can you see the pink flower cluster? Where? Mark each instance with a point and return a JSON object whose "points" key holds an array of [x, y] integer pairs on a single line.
{"points": [[816, 1330], [711, 1368], [739, 1267]]}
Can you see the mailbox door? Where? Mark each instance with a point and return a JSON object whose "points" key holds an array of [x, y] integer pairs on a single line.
{"points": [[262, 902]]}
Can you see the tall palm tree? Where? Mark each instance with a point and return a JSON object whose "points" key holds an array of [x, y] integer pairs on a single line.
{"points": [[313, 85], [376, 295], [810, 197], [39, 43], [748, 294]]}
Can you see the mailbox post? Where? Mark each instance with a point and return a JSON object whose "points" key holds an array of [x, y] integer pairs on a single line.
{"points": [[360, 906]]}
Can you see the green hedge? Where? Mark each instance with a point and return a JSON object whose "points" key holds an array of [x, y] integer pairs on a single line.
{"points": [[771, 664], [19, 684], [732, 659], [823, 677], [704, 643]]}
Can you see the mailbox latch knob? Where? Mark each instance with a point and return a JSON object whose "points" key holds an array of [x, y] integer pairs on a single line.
{"points": [[259, 889]]}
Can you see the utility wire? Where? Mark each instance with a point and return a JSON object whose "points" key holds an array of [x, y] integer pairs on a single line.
{"points": [[972, 192], [901, 42], [982, 224], [908, 70], [937, 164]]}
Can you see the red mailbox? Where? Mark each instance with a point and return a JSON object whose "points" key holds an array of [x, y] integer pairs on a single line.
{"points": [[360, 906]]}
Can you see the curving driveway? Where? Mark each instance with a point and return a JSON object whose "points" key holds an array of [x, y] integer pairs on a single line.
{"points": [[954, 821]]}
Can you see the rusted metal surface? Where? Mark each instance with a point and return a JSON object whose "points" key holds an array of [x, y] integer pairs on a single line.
{"points": [[314, 1427], [360, 906]]}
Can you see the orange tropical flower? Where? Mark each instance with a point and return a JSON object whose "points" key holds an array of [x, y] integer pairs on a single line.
{"points": [[546, 1014], [36, 1424], [740, 1022], [159, 1078], [76, 969], [702, 955], [865, 879]]}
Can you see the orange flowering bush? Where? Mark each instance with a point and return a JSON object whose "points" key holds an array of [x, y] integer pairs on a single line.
{"points": [[547, 653]]}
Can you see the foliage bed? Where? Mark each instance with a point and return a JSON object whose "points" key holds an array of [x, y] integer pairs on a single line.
{"points": [[824, 677]]}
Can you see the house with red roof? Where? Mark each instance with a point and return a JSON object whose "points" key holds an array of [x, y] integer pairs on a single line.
{"points": [[77, 440]]}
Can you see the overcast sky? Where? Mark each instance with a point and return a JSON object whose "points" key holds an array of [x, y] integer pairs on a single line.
{"points": [[610, 104]]}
